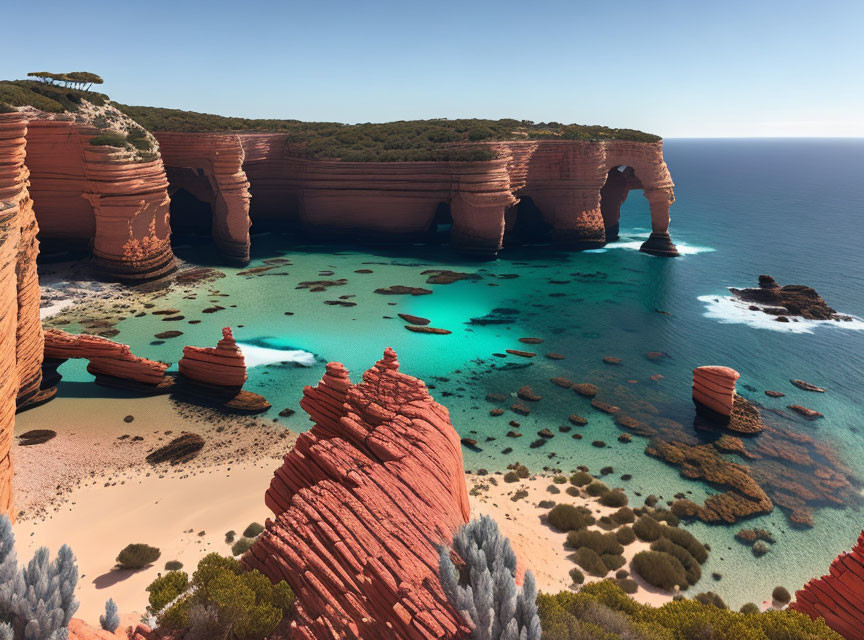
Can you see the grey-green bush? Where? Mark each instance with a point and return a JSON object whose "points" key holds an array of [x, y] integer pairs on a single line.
{"points": [[485, 591], [566, 517], [660, 569], [137, 556], [110, 621], [36, 601]]}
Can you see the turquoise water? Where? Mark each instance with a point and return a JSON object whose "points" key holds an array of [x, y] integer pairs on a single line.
{"points": [[791, 209]]}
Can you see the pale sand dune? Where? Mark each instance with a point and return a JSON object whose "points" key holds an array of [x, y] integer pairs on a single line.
{"points": [[537, 546], [99, 521]]}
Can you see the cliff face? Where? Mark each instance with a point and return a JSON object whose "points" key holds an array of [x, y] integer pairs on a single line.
{"points": [[20, 328], [360, 503], [578, 187], [211, 169], [839, 596], [99, 197]]}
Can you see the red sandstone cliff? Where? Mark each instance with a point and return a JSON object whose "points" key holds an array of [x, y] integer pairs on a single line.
{"points": [[839, 596], [360, 503], [211, 168], [101, 196], [568, 180], [20, 327]]}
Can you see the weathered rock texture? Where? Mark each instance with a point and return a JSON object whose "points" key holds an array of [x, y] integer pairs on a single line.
{"points": [[99, 196], [20, 327], [217, 374], [112, 363], [566, 180], [839, 596], [211, 169], [790, 300], [361, 503], [715, 399]]}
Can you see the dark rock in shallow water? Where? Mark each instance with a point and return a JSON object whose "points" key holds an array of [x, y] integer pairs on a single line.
{"points": [[501, 315], [562, 382], [604, 406], [806, 386], [804, 411], [401, 290], [168, 334], [585, 389], [611, 360], [792, 300], [521, 409], [522, 354], [545, 433], [527, 393], [531, 340], [431, 330], [774, 394], [444, 276], [555, 356], [579, 421], [407, 317]]}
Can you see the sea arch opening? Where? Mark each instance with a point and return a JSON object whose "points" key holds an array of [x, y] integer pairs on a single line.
{"points": [[526, 223]]}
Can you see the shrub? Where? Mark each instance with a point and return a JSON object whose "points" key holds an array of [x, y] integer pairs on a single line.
{"points": [[137, 556], [109, 139], [223, 601], [781, 595], [229, 537], [660, 569], [614, 498], [599, 542], [572, 491], [39, 597], [173, 565], [691, 567], [546, 504], [581, 478], [577, 576], [589, 560], [683, 508], [686, 540], [566, 517], [621, 574], [750, 608], [490, 562], [559, 479], [553, 489], [606, 523], [647, 528], [624, 515], [253, 530], [625, 535], [613, 562], [596, 489], [628, 585], [241, 546], [511, 476], [165, 588], [712, 599], [110, 621]]}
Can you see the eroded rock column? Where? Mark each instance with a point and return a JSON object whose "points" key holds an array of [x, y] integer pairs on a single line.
{"points": [[659, 243]]}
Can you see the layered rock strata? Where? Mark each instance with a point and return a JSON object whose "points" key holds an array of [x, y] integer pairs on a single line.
{"points": [[18, 334], [99, 196], [577, 186], [839, 596], [360, 504], [210, 168], [217, 374], [715, 399], [113, 364]]}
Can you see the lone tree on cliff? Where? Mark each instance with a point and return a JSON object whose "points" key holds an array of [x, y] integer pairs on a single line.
{"points": [[80, 80]]}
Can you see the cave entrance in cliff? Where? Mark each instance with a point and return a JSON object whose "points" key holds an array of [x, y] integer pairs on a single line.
{"points": [[529, 226], [191, 218], [442, 224], [619, 181]]}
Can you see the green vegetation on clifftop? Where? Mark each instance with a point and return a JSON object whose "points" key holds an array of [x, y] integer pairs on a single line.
{"points": [[412, 140]]}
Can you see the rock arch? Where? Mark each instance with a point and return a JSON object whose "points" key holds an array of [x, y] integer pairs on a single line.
{"points": [[219, 160]]}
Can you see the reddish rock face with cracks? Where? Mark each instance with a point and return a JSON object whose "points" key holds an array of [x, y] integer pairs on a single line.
{"points": [[839, 596], [222, 365], [361, 503]]}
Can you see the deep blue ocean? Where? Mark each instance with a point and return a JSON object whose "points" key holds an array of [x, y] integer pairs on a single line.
{"points": [[793, 209]]}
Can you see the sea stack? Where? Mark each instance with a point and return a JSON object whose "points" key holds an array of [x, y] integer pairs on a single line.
{"points": [[216, 375], [716, 401]]}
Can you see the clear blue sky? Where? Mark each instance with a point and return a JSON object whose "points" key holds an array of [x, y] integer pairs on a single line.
{"points": [[676, 68]]}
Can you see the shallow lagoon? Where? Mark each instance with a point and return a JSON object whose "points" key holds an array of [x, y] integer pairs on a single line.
{"points": [[735, 203]]}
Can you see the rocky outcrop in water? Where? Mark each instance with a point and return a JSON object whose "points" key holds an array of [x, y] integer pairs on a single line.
{"points": [[794, 300], [839, 596], [715, 399], [360, 504], [100, 195], [113, 364], [575, 185], [216, 375]]}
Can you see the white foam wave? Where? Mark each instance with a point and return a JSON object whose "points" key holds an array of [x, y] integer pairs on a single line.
{"points": [[256, 356], [633, 240], [731, 310]]}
